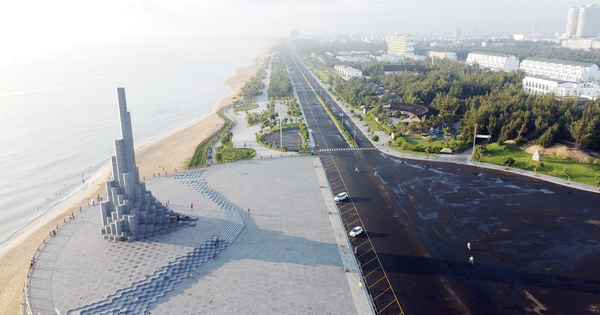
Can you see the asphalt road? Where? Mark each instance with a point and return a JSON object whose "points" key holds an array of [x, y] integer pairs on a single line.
{"points": [[535, 244]]}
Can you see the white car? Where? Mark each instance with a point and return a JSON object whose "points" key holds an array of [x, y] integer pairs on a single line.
{"points": [[341, 196], [356, 231]]}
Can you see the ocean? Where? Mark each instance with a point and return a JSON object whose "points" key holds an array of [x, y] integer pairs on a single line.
{"points": [[59, 113]]}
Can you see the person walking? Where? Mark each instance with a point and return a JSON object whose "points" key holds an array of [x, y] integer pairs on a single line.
{"points": [[469, 245], [192, 206], [471, 261]]}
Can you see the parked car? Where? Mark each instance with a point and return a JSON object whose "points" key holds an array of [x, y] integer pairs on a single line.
{"points": [[341, 196], [356, 231]]}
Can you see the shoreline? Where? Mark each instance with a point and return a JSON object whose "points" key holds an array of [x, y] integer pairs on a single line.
{"points": [[166, 154]]}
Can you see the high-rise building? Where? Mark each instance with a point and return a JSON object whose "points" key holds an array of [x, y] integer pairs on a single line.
{"points": [[457, 32], [401, 45], [583, 21]]}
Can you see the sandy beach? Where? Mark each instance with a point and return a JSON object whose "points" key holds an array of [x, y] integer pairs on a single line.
{"points": [[165, 155]]}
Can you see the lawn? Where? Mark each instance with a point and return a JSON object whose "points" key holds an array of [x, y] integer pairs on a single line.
{"points": [[245, 107], [229, 153], [322, 76], [417, 139], [580, 172], [370, 123]]}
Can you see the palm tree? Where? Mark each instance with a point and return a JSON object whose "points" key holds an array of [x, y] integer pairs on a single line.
{"points": [[568, 173]]}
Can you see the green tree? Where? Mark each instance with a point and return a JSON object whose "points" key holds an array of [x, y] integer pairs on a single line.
{"points": [[430, 140], [427, 150], [568, 173], [375, 138], [479, 153], [580, 133], [597, 181], [507, 161], [403, 147], [219, 157], [537, 167]]}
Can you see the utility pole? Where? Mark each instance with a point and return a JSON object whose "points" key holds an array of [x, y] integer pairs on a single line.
{"points": [[474, 137], [280, 129]]}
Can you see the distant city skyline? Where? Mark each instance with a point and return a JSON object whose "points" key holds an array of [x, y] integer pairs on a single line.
{"points": [[33, 24]]}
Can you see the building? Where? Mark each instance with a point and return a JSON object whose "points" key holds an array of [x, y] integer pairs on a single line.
{"points": [[582, 43], [561, 69], [390, 58], [457, 32], [537, 85], [413, 112], [583, 21], [354, 58], [493, 61], [402, 45], [130, 211], [442, 55], [347, 72]]}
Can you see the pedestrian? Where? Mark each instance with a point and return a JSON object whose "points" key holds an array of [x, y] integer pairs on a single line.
{"points": [[248, 210], [192, 206], [214, 256], [360, 284], [471, 261], [469, 245]]}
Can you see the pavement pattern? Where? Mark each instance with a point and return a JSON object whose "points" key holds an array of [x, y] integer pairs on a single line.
{"points": [[290, 254]]}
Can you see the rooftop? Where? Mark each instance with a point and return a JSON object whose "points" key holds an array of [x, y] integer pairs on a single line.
{"points": [[490, 54], [566, 62]]}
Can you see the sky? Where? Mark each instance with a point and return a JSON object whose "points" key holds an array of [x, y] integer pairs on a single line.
{"points": [[30, 25]]}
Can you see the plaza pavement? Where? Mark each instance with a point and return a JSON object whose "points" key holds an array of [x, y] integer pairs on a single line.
{"points": [[291, 257]]}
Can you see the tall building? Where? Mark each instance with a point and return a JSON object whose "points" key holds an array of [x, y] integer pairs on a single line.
{"points": [[457, 32], [583, 21], [130, 211], [401, 45]]}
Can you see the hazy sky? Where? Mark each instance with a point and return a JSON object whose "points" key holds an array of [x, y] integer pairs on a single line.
{"points": [[27, 24]]}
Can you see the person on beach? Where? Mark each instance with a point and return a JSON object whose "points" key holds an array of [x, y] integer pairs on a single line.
{"points": [[191, 206]]}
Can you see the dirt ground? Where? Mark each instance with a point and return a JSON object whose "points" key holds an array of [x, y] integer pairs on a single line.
{"points": [[559, 150]]}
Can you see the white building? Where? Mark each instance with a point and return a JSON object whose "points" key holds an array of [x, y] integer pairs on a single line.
{"points": [[493, 61], [582, 43], [442, 54], [354, 58], [561, 69], [401, 45], [540, 85], [347, 72], [390, 58], [583, 21]]}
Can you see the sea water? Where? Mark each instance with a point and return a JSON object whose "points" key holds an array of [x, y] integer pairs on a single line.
{"points": [[59, 116]]}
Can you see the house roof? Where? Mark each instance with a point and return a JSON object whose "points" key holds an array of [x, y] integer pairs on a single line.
{"points": [[566, 62], [415, 109], [490, 53]]}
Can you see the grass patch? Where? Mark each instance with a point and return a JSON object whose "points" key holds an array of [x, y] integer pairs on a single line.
{"points": [[230, 154], [370, 123], [580, 172], [322, 75], [245, 107], [199, 158], [418, 140]]}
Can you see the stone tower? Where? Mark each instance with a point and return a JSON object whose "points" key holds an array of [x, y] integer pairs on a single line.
{"points": [[130, 211]]}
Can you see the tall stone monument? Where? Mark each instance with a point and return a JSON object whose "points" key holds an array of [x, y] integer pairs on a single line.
{"points": [[131, 212]]}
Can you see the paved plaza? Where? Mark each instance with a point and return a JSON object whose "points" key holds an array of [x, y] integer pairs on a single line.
{"points": [[288, 256]]}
